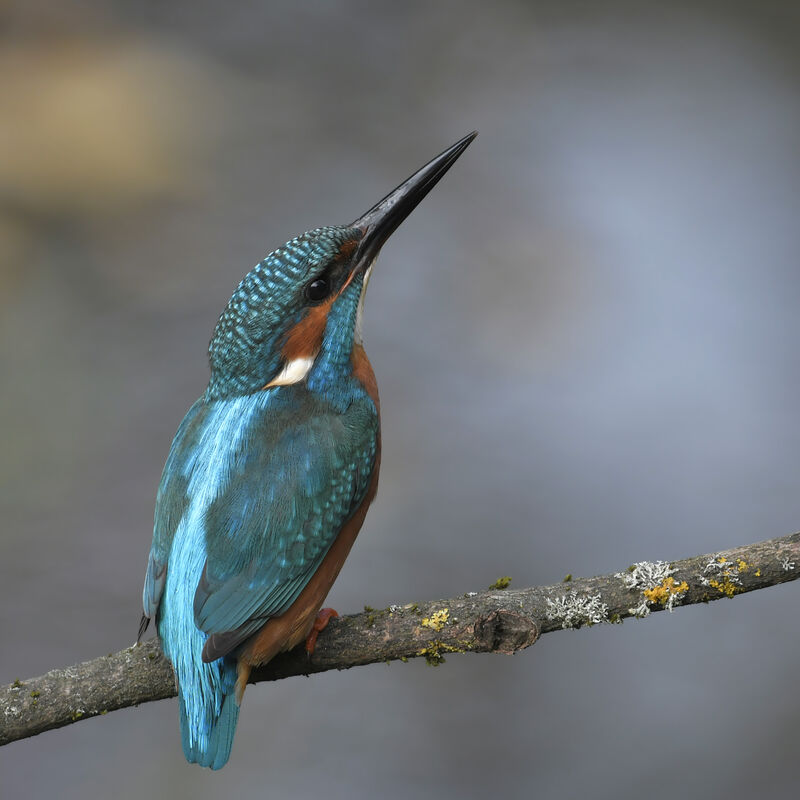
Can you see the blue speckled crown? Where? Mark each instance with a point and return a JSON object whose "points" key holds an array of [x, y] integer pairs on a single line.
{"points": [[243, 352]]}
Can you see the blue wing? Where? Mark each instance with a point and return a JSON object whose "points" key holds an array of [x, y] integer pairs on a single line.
{"points": [[172, 501], [300, 472]]}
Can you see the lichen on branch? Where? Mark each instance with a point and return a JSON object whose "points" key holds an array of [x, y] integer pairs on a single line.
{"points": [[500, 620]]}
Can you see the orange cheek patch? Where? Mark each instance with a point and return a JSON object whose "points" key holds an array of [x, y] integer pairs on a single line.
{"points": [[305, 339]]}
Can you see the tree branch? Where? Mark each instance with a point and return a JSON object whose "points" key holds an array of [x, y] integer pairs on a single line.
{"points": [[497, 621]]}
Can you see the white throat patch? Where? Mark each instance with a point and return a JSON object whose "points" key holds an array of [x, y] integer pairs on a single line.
{"points": [[360, 313], [293, 372]]}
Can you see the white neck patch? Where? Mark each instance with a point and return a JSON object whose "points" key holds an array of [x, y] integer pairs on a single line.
{"points": [[360, 311], [293, 371]]}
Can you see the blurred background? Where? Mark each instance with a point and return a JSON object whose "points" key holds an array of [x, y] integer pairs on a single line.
{"points": [[585, 339]]}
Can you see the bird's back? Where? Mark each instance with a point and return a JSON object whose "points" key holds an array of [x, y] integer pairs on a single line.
{"points": [[254, 494]]}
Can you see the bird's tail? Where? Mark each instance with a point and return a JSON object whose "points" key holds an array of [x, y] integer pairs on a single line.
{"points": [[209, 723], [214, 749]]}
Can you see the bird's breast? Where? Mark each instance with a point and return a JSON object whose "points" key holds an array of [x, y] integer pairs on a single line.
{"points": [[362, 372]]}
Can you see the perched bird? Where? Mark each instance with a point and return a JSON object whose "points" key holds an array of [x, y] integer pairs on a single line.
{"points": [[272, 470]]}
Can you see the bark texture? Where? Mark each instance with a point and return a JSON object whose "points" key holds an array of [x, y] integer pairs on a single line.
{"points": [[495, 621]]}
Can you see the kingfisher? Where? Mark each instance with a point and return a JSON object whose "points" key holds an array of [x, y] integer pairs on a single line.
{"points": [[272, 469]]}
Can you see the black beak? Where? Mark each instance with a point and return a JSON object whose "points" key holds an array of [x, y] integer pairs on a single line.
{"points": [[383, 219]]}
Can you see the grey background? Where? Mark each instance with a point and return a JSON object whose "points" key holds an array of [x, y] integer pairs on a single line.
{"points": [[585, 341]]}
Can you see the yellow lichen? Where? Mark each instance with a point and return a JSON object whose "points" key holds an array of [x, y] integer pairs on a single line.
{"points": [[437, 620], [667, 588], [726, 573], [726, 586], [501, 583], [433, 653]]}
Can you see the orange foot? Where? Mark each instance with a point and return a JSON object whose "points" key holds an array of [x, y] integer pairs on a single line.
{"points": [[320, 623]]}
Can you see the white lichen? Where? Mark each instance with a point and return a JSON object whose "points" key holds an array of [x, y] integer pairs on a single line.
{"points": [[787, 565], [723, 574], [720, 567], [642, 610], [646, 574], [572, 610], [674, 596], [653, 579]]}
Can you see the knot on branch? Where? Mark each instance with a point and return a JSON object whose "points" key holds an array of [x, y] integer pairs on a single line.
{"points": [[505, 631]]}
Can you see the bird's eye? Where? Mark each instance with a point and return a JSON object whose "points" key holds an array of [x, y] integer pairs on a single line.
{"points": [[317, 290]]}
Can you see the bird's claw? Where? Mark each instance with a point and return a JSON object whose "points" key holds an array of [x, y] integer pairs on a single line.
{"points": [[324, 616]]}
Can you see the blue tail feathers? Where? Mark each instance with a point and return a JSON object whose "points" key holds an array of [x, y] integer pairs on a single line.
{"points": [[209, 712], [214, 749]]}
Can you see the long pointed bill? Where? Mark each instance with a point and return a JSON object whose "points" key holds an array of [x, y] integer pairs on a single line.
{"points": [[383, 219]]}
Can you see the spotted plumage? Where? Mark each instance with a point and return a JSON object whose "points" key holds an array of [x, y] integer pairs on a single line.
{"points": [[272, 470]]}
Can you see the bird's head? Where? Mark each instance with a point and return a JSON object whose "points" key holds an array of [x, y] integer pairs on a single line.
{"points": [[300, 308]]}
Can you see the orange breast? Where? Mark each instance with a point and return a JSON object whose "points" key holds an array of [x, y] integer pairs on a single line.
{"points": [[362, 371]]}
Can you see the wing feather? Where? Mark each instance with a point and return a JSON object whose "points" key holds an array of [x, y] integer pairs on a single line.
{"points": [[299, 479], [171, 503]]}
